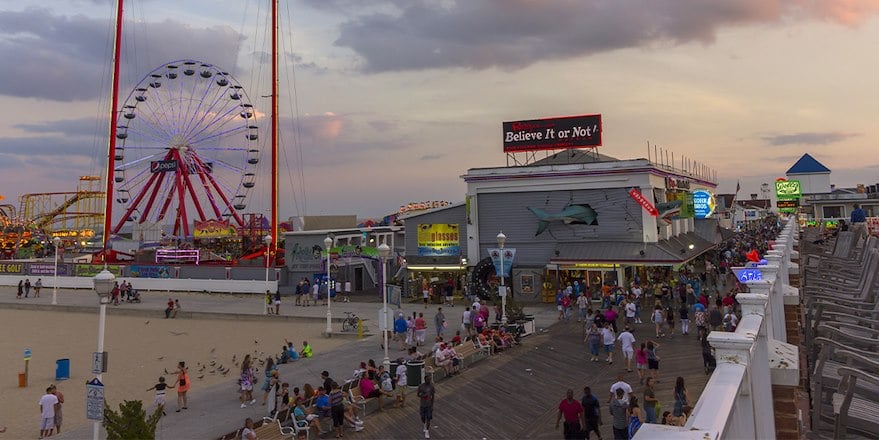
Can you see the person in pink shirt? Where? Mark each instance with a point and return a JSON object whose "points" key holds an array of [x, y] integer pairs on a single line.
{"points": [[611, 316], [641, 362]]}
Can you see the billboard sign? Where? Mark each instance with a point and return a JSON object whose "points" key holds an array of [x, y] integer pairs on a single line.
{"points": [[552, 134], [48, 269], [703, 203], [438, 240], [788, 189], [162, 166], [213, 229]]}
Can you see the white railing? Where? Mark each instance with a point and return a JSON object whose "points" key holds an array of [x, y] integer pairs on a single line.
{"points": [[737, 401]]}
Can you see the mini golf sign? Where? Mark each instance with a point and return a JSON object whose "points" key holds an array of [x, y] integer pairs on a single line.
{"points": [[788, 189]]}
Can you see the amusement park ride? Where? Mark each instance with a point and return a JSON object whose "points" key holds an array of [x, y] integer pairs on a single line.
{"points": [[182, 160]]}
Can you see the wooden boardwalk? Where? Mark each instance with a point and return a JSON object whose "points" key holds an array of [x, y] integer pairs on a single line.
{"points": [[515, 395]]}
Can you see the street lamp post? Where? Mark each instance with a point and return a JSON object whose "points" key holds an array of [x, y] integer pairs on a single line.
{"points": [[103, 283], [384, 251], [55, 241], [268, 241], [328, 242], [501, 239]]}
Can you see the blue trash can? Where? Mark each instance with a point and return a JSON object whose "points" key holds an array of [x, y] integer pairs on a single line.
{"points": [[62, 369]]}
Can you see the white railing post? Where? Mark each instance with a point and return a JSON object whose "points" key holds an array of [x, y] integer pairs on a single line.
{"points": [[775, 309], [755, 326]]}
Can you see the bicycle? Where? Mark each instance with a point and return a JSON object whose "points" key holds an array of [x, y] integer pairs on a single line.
{"points": [[351, 322]]}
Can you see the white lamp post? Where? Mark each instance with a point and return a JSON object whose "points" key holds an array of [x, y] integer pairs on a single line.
{"points": [[501, 239], [328, 242], [384, 251], [55, 241], [103, 283], [268, 240]]}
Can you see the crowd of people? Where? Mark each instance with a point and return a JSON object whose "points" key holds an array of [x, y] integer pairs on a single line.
{"points": [[704, 291]]}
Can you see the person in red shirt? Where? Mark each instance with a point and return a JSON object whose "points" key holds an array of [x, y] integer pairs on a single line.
{"points": [[728, 303], [420, 329], [572, 411], [703, 299]]}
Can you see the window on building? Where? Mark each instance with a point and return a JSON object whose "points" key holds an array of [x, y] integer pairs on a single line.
{"points": [[869, 210], [833, 212]]}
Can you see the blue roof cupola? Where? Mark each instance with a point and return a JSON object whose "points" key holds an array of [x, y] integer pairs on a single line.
{"points": [[808, 165]]}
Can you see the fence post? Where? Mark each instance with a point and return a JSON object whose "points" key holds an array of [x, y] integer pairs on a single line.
{"points": [[754, 315]]}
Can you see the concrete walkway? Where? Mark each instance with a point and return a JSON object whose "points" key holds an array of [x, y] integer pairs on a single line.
{"points": [[215, 411]]}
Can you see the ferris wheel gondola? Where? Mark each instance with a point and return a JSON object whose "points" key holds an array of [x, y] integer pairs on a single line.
{"points": [[187, 148]]}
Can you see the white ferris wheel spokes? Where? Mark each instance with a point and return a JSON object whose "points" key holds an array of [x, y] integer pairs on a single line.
{"points": [[187, 148]]}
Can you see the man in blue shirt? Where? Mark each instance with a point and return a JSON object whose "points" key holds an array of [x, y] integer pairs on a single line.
{"points": [[858, 221], [322, 403]]}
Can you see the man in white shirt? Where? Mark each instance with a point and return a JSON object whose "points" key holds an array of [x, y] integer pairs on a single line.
{"points": [[476, 305], [401, 384], [47, 413], [465, 320], [608, 339], [620, 384], [582, 303], [631, 310], [627, 341]]}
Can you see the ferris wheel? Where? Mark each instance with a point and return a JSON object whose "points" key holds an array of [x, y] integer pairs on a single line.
{"points": [[187, 148]]}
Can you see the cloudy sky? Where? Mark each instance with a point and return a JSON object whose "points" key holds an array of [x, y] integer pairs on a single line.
{"points": [[389, 101]]}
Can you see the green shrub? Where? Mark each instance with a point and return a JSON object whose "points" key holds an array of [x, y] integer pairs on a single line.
{"points": [[131, 422]]}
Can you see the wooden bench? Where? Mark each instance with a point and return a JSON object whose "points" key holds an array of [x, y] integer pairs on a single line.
{"points": [[272, 430]]}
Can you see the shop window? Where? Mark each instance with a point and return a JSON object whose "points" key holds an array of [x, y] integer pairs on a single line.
{"points": [[869, 210], [833, 212]]}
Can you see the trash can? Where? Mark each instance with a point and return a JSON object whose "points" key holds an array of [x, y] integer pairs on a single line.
{"points": [[414, 373], [62, 369], [22, 380]]}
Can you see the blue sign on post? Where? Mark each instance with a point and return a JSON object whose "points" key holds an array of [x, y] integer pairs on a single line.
{"points": [[27, 354], [703, 204]]}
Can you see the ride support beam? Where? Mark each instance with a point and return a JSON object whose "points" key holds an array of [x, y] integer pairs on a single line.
{"points": [[111, 148], [134, 204]]}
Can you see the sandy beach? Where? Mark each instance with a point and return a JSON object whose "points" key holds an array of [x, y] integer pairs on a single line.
{"points": [[140, 350]]}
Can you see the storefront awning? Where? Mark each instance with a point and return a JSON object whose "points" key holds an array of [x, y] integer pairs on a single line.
{"points": [[675, 250]]}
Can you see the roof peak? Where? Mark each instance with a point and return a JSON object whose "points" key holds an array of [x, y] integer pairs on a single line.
{"points": [[808, 165]]}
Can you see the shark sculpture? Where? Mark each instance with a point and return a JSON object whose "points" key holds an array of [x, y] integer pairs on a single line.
{"points": [[669, 210], [571, 215]]}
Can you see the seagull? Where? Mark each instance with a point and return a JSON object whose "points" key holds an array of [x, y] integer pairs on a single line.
{"points": [[166, 371], [233, 358], [147, 323], [177, 333], [213, 349], [213, 363], [201, 377], [256, 342], [160, 357]]}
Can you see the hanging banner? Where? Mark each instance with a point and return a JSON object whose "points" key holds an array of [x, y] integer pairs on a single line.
{"points": [[509, 255], [635, 194]]}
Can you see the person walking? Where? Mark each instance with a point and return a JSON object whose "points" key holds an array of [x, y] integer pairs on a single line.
{"points": [[608, 338], [641, 362], [268, 302], [160, 387], [858, 220], [670, 320], [650, 401], [582, 305], [271, 372], [593, 339], [401, 384], [20, 289], [635, 417], [245, 383], [276, 301], [37, 286], [420, 329], [182, 383], [658, 320], [682, 397], [572, 411], [653, 360], [427, 395], [591, 413], [400, 331], [619, 411], [685, 319], [27, 287], [439, 320], [627, 344]]}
